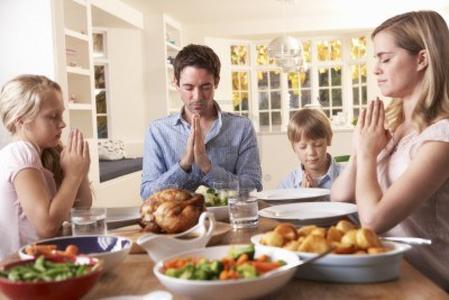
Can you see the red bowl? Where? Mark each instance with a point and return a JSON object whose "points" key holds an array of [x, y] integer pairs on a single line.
{"points": [[69, 289]]}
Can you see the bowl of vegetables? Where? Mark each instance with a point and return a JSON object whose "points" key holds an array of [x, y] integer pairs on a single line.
{"points": [[215, 201], [112, 250], [227, 272], [49, 278]]}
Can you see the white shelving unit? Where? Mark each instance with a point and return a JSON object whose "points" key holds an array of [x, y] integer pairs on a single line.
{"points": [[79, 67], [173, 44]]}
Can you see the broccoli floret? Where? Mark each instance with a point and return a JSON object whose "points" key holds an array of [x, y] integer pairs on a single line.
{"points": [[216, 267], [187, 272], [236, 252], [247, 271]]}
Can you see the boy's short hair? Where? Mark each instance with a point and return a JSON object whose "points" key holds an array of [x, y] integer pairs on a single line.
{"points": [[309, 123], [198, 56]]}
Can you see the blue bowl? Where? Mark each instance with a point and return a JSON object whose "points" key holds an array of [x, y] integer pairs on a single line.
{"points": [[112, 250]]}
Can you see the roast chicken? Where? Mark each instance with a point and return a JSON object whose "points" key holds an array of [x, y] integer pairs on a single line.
{"points": [[171, 211]]}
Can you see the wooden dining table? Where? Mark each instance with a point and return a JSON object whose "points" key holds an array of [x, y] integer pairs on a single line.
{"points": [[135, 277]]}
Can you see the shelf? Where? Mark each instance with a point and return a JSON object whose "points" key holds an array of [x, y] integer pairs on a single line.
{"points": [[172, 46], [76, 35], [78, 71], [80, 106]]}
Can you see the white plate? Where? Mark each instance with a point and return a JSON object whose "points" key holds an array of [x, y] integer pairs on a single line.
{"points": [[230, 289], [318, 213], [122, 216], [292, 195], [350, 268]]}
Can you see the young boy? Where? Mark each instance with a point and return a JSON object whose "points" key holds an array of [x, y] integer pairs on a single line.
{"points": [[310, 133]]}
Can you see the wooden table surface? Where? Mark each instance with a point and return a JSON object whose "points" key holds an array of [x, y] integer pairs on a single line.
{"points": [[135, 277]]}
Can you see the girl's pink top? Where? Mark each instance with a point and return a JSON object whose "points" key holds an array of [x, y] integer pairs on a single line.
{"points": [[431, 219], [15, 228]]}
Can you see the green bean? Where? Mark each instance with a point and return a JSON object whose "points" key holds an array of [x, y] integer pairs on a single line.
{"points": [[44, 270]]}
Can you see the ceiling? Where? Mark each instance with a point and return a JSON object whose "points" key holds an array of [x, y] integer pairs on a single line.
{"points": [[236, 13]]}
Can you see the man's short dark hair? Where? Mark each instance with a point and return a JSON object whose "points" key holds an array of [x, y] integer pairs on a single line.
{"points": [[198, 56]]}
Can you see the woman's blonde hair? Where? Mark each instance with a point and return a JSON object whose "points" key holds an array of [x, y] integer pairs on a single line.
{"points": [[309, 123], [21, 99], [416, 31]]}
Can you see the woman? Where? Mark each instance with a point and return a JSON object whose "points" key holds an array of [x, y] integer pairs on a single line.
{"points": [[399, 176]]}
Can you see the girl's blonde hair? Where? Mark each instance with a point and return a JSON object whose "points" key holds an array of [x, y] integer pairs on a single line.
{"points": [[21, 99], [309, 123], [416, 31]]}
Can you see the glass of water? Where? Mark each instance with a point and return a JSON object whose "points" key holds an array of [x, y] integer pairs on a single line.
{"points": [[243, 210], [88, 221]]}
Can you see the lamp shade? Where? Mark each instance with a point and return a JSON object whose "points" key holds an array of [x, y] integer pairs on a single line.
{"points": [[287, 53]]}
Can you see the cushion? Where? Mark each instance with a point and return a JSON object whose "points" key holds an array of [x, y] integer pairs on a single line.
{"points": [[112, 169], [111, 149]]}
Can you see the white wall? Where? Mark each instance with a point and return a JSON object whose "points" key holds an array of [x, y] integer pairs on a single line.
{"points": [[27, 42], [26, 35], [126, 55]]}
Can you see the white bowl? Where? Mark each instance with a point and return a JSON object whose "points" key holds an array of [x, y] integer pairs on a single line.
{"points": [[350, 268], [221, 213], [112, 250], [230, 289]]}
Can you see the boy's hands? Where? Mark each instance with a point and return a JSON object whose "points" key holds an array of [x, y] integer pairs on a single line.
{"points": [[75, 157], [308, 181]]}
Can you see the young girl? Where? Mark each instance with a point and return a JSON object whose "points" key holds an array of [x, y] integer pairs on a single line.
{"points": [[310, 133], [38, 182], [399, 177]]}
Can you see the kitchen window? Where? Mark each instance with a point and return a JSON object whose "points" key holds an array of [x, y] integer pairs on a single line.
{"points": [[336, 69]]}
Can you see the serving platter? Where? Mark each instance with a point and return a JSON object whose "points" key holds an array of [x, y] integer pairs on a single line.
{"points": [[350, 268]]}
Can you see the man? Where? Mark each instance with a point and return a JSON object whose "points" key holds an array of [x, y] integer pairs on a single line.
{"points": [[201, 144]]}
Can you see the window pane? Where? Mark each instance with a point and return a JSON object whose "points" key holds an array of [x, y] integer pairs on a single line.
{"points": [[355, 69], [293, 80], [323, 77], [356, 113], [100, 99], [275, 79], [336, 111], [307, 47], [305, 78], [102, 127], [363, 73], [323, 50], [264, 118], [276, 118], [236, 99], [99, 44], [324, 97], [336, 97], [326, 111], [262, 80], [358, 47], [335, 50], [336, 76], [294, 99], [239, 55], [263, 100], [244, 101], [355, 96], [235, 81], [99, 77], [244, 81], [306, 97], [262, 57], [364, 95], [275, 100]]}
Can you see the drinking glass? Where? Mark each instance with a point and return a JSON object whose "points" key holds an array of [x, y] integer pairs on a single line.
{"points": [[88, 221], [243, 210]]}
